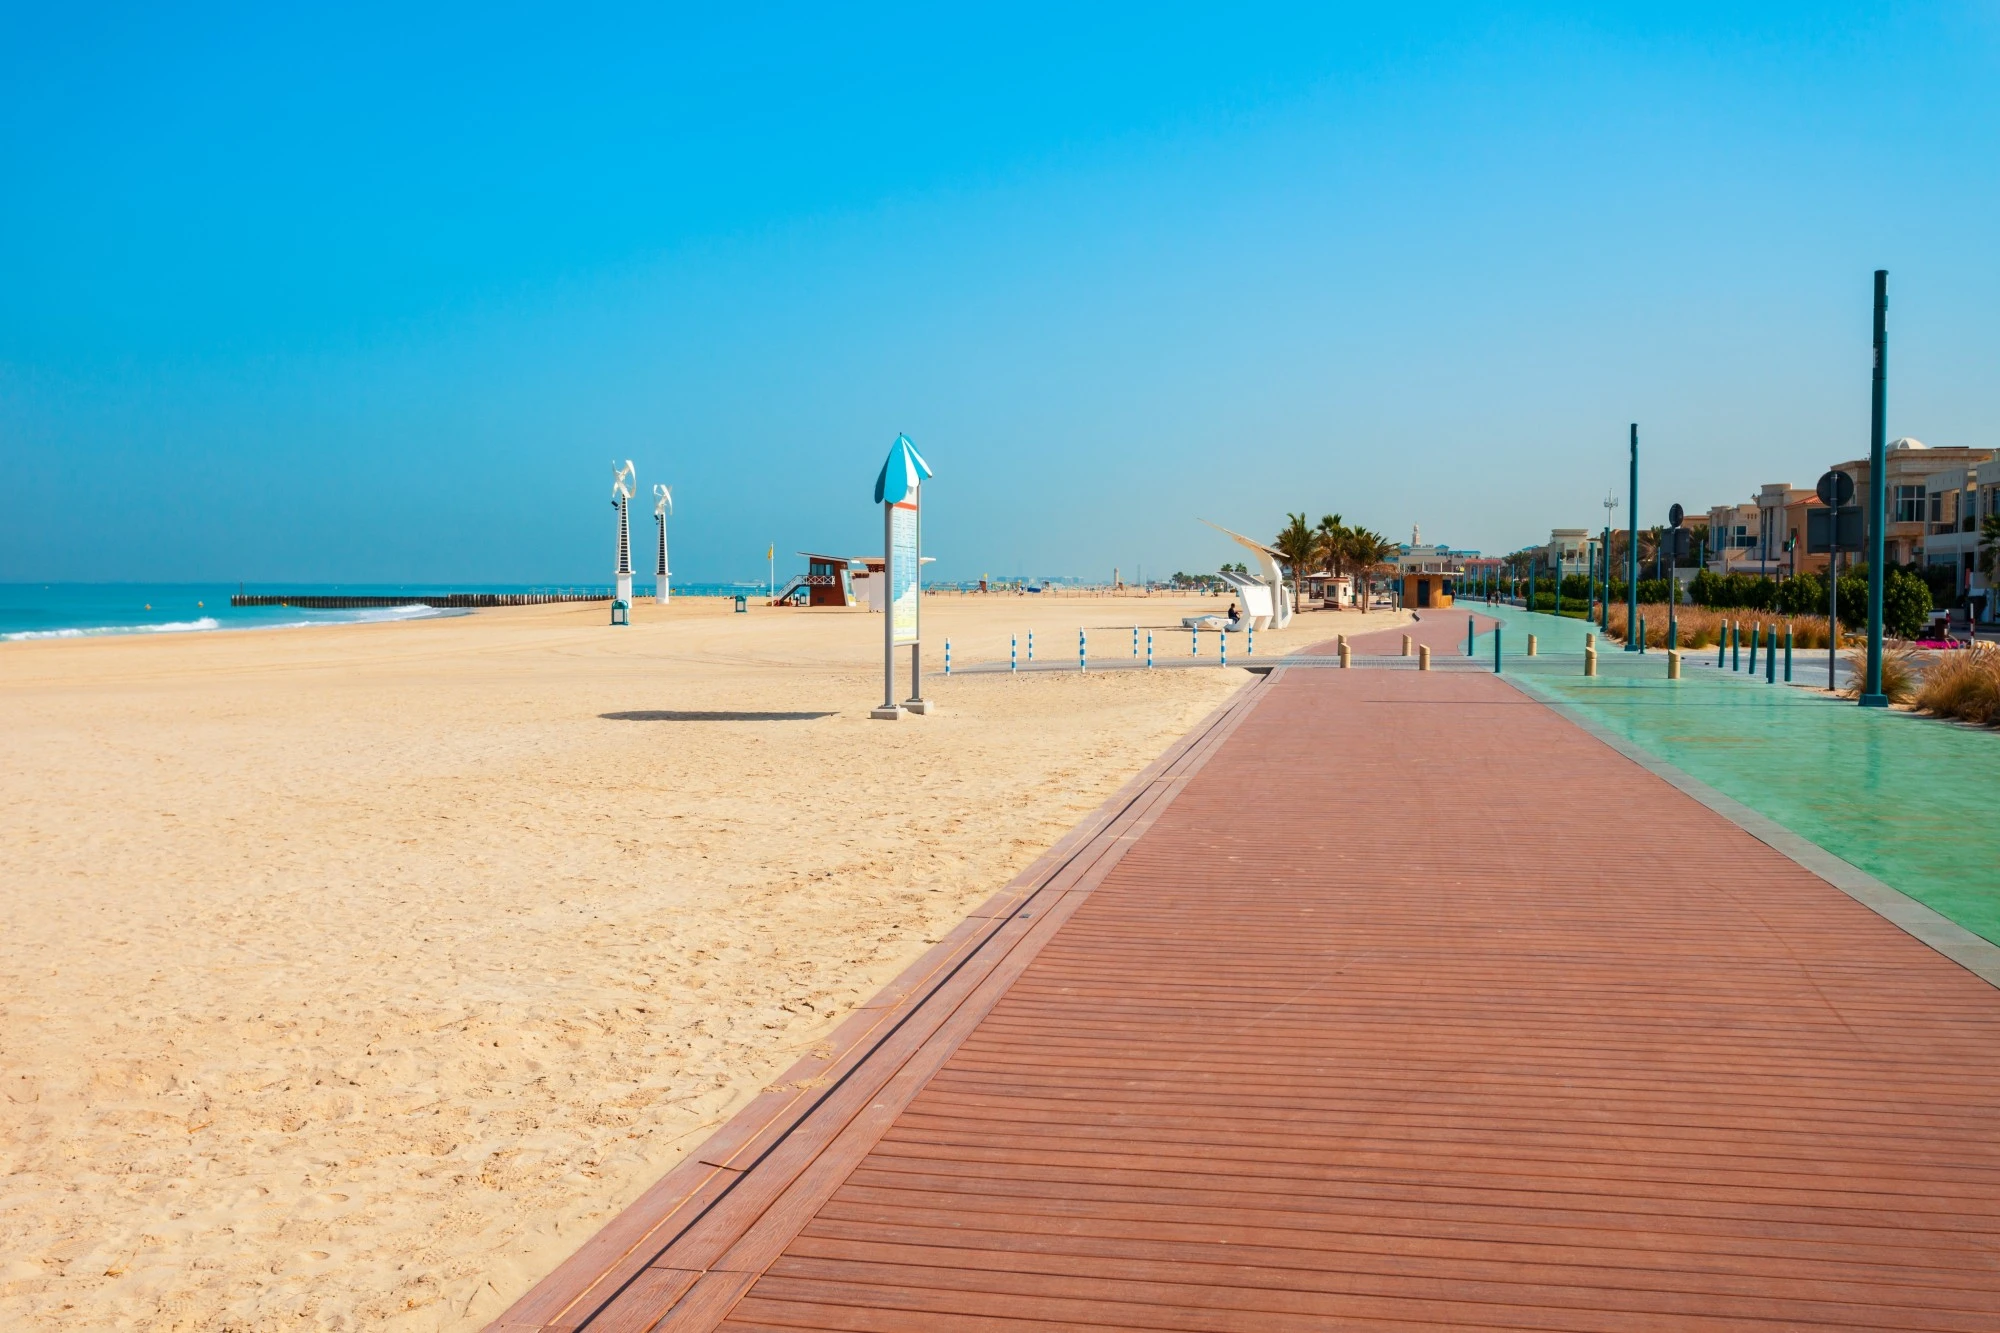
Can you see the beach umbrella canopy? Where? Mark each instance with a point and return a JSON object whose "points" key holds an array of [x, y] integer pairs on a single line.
{"points": [[901, 472]]}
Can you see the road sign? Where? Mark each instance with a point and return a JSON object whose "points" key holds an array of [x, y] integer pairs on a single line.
{"points": [[1674, 516], [1821, 533], [1836, 488]]}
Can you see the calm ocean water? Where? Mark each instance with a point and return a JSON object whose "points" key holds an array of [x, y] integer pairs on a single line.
{"points": [[73, 610]]}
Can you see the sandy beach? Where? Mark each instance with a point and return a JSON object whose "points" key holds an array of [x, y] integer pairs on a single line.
{"points": [[352, 976]]}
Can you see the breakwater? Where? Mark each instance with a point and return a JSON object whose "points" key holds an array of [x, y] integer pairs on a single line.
{"points": [[322, 602]]}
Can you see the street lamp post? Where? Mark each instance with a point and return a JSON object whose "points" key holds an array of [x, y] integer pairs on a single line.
{"points": [[1632, 549], [1878, 502]]}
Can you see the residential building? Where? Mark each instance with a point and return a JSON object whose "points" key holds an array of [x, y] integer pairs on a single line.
{"points": [[1923, 483], [1957, 504], [1733, 539]]}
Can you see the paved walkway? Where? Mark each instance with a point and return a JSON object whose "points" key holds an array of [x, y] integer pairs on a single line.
{"points": [[1271, 1043], [1908, 799]]}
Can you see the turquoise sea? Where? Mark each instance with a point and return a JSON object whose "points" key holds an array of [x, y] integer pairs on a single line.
{"points": [[76, 610]]}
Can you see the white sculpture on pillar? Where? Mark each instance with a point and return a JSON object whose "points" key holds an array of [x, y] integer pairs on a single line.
{"points": [[621, 500], [663, 504]]}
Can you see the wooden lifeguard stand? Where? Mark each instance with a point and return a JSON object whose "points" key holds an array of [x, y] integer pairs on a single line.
{"points": [[825, 582]]}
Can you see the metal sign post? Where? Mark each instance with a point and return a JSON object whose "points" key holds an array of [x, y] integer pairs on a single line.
{"points": [[1676, 535], [1835, 490], [897, 491]]}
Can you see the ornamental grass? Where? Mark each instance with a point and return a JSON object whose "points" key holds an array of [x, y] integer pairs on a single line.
{"points": [[1701, 627], [1963, 684], [1899, 672]]}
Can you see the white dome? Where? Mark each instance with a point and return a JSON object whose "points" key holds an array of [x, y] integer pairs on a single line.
{"points": [[1907, 443]]}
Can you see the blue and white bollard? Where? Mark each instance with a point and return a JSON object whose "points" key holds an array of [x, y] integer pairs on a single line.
{"points": [[1222, 647], [1250, 641], [1194, 643], [947, 657], [1082, 663], [1031, 645], [1149, 650], [1013, 653], [1135, 641]]}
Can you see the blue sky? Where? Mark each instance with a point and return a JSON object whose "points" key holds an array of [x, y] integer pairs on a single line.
{"points": [[378, 295]]}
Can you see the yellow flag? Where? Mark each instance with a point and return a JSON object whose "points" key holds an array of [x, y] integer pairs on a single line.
{"points": [[770, 551]]}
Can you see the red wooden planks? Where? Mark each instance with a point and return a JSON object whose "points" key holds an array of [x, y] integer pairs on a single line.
{"points": [[1369, 1072]]}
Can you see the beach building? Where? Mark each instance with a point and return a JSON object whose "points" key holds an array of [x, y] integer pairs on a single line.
{"points": [[1428, 575], [1330, 590], [826, 582]]}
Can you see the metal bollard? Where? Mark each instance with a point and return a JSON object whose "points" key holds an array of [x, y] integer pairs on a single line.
{"points": [[1496, 649], [1013, 653], [1250, 641], [1135, 641], [1771, 658], [947, 657], [1673, 664], [1788, 652], [1222, 647], [1642, 634], [1149, 650], [1194, 643], [1082, 662], [1589, 660], [1722, 648], [1735, 645], [1470, 635], [1031, 645], [1756, 642], [1531, 645]]}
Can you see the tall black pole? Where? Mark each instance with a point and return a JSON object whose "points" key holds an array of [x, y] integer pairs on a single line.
{"points": [[1632, 552], [1878, 495]]}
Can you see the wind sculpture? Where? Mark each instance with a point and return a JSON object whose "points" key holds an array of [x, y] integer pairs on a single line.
{"points": [[621, 500], [663, 504]]}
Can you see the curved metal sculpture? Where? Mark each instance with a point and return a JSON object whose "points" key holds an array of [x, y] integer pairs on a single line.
{"points": [[663, 504], [1267, 602]]}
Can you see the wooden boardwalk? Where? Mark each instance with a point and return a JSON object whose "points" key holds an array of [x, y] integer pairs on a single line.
{"points": [[1386, 999]]}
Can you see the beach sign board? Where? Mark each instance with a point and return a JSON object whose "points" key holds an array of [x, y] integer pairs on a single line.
{"points": [[896, 490], [903, 573]]}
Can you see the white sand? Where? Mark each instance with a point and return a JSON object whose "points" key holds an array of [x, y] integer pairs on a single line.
{"points": [[352, 976]]}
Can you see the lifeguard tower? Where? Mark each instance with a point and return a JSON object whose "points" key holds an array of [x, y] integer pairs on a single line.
{"points": [[826, 582]]}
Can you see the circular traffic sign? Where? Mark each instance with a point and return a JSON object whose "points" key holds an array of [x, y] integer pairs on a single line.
{"points": [[1836, 488], [1674, 516]]}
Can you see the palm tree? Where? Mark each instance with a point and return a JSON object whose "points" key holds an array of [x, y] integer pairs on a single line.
{"points": [[1331, 539], [1989, 546], [1297, 543], [1365, 551]]}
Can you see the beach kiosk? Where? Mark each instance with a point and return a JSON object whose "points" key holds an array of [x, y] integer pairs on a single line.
{"points": [[1428, 576]]}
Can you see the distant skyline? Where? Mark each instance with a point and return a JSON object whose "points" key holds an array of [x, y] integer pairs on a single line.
{"points": [[378, 296]]}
